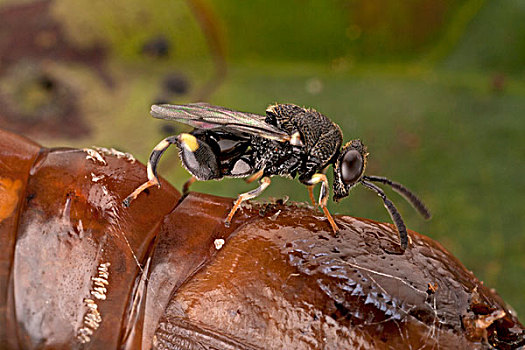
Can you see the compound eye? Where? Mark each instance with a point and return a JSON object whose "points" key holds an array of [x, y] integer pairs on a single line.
{"points": [[351, 167]]}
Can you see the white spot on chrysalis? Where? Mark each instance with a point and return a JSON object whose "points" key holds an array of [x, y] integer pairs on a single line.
{"points": [[94, 156], [218, 243], [116, 153], [92, 318]]}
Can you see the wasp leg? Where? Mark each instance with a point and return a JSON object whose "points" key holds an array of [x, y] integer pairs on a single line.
{"points": [[187, 184], [153, 180], [255, 176], [265, 182], [311, 195], [323, 197]]}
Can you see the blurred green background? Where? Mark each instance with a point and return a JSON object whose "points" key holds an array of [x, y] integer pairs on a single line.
{"points": [[435, 89]]}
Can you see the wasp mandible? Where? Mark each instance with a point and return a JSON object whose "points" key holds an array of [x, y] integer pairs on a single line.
{"points": [[288, 141]]}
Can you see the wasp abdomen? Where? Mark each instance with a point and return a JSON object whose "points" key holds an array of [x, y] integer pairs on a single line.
{"points": [[198, 158]]}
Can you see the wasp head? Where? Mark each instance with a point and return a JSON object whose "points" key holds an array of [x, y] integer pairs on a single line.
{"points": [[349, 168]]}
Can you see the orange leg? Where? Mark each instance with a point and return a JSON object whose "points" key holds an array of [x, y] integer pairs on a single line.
{"points": [[311, 195], [330, 220], [254, 177], [153, 181], [152, 169], [323, 197], [265, 182], [187, 184]]}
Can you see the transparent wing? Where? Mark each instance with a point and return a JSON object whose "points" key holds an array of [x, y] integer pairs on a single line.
{"points": [[206, 116]]}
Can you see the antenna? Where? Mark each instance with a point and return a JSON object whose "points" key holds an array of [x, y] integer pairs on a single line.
{"points": [[392, 210], [405, 192]]}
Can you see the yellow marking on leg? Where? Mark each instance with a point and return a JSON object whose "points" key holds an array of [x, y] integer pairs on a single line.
{"points": [[316, 178], [151, 175], [189, 142], [162, 145]]}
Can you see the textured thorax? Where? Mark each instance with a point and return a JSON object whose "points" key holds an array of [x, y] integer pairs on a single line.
{"points": [[311, 124], [321, 137]]}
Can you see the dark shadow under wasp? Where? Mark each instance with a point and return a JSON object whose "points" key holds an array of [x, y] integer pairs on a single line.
{"points": [[288, 141]]}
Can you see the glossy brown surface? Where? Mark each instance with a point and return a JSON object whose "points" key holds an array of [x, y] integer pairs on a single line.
{"points": [[71, 233], [17, 154], [80, 271], [283, 281]]}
